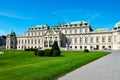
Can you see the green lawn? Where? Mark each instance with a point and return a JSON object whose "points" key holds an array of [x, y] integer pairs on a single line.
{"points": [[21, 65]]}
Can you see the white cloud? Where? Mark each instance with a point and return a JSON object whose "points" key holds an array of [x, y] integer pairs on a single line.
{"points": [[94, 16], [2, 32], [65, 11], [7, 14]]}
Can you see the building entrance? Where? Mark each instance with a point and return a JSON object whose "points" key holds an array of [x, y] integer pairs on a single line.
{"points": [[97, 47]]}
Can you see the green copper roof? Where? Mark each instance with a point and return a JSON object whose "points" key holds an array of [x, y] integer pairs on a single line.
{"points": [[101, 30], [78, 22], [117, 25], [41, 25], [11, 33]]}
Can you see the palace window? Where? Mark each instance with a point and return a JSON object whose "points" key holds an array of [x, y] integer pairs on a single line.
{"points": [[39, 33], [86, 39], [66, 25], [91, 40], [35, 34], [80, 24], [69, 39], [86, 23], [80, 30], [85, 47], [103, 47], [38, 41], [109, 38], [80, 39], [50, 43], [71, 47], [70, 31], [91, 47], [31, 34], [86, 30], [97, 39], [70, 25], [103, 39], [75, 25], [45, 43], [11, 42], [75, 31], [35, 41], [65, 31], [25, 41], [75, 40], [28, 41], [80, 47], [75, 47], [115, 38], [22, 41], [31, 41]]}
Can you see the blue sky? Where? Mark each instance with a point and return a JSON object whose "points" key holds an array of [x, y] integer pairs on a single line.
{"points": [[19, 15]]}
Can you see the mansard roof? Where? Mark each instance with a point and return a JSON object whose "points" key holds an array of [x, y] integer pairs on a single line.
{"points": [[44, 25], [102, 30], [78, 22]]}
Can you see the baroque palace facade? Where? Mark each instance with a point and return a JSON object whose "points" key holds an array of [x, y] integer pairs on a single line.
{"points": [[73, 35]]}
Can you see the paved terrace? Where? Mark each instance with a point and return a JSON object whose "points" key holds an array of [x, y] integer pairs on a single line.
{"points": [[105, 68]]}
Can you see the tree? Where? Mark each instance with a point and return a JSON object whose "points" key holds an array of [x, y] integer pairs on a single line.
{"points": [[55, 49]]}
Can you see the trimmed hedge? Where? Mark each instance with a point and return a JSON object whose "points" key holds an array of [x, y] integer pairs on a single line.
{"points": [[86, 50], [39, 53], [56, 53], [47, 52], [31, 49]]}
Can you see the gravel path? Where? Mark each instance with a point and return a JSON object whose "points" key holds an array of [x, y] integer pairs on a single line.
{"points": [[106, 68]]}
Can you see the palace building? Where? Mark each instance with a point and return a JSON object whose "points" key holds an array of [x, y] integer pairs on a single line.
{"points": [[73, 35]]}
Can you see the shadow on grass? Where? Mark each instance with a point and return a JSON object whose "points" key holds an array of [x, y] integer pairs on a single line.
{"points": [[61, 56]]}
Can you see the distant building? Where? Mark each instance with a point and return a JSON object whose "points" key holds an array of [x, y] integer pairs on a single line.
{"points": [[73, 35], [2, 42]]}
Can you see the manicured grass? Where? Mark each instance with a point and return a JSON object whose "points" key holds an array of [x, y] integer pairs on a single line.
{"points": [[21, 65]]}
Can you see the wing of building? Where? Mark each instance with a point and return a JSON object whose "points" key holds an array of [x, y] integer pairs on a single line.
{"points": [[73, 35]]}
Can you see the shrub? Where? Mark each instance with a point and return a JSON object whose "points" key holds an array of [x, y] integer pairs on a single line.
{"points": [[55, 49], [47, 52], [31, 49], [86, 50], [39, 53], [26, 49], [56, 53], [36, 53]]}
